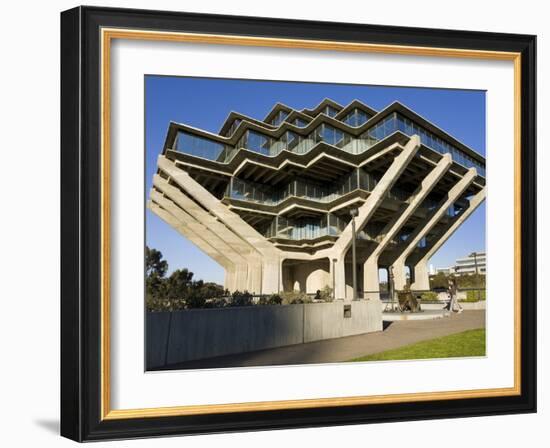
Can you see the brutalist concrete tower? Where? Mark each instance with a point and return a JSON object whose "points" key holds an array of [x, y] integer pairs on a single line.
{"points": [[272, 201]]}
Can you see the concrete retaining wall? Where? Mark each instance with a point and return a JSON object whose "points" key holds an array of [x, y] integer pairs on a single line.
{"points": [[468, 306], [195, 334]]}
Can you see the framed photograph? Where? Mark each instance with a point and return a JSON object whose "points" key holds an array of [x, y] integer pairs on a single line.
{"points": [[274, 223]]}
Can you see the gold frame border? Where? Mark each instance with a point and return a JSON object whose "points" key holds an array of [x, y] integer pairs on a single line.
{"points": [[107, 35]]}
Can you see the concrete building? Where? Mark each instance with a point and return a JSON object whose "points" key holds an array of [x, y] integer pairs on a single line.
{"points": [[475, 263], [272, 200], [447, 271]]}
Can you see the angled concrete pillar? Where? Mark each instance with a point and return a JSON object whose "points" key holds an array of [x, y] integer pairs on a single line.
{"points": [[391, 230], [243, 253], [376, 196], [260, 271], [371, 284], [399, 275], [186, 203], [240, 263], [421, 262], [271, 276], [229, 279], [424, 227], [420, 274], [211, 203], [340, 278], [196, 226], [184, 230], [366, 211]]}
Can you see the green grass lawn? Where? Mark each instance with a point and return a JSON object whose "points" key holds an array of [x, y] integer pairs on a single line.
{"points": [[468, 343]]}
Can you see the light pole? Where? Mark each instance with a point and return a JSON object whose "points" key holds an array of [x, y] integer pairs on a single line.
{"points": [[391, 286], [354, 212], [334, 260], [474, 254]]}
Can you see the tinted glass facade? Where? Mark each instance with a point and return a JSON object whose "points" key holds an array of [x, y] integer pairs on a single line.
{"points": [[270, 146], [356, 118]]}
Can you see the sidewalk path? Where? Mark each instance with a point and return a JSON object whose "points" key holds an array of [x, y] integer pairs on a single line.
{"points": [[396, 334]]}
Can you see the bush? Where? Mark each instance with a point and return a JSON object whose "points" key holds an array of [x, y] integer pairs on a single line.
{"points": [[295, 297], [326, 294], [241, 299], [218, 302], [195, 301], [273, 299], [474, 296], [429, 296]]}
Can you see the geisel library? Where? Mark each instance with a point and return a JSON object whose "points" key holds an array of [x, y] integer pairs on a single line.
{"points": [[273, 201]]}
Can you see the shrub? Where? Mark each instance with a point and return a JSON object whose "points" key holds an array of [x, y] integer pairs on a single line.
{"points": [[474, 296], [295, 297], [429, 296], [326, 294], [241, 299], [218, 302], [195, 301], [273, 299]]}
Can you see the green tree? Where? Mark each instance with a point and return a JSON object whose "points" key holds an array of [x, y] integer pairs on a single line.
{"points": [[155, 270], [179, 283], [439, 280], [178, 290], [154, 264]]}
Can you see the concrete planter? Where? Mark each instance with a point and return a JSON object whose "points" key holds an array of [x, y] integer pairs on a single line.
{"points": [[467, 306], [188, 335]]}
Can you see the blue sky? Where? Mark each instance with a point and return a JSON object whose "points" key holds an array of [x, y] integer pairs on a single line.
{"points": [[206, 102]]}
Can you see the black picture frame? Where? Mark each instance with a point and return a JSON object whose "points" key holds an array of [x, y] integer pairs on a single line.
{"points": [[81, 224]]}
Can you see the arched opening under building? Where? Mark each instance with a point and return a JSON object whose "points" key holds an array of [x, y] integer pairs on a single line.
{"points": [[409, 274], [383, 285], [306, 276]]}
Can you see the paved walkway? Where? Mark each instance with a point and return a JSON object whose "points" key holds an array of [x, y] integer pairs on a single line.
{"points": [[395, 334]]}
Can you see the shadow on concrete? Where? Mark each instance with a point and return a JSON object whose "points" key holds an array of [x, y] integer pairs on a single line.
{"points": [[394, 335], [386, 324], [51, 426]]}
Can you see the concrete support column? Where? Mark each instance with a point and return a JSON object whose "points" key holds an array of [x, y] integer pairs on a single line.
{"points": [[229, 279], [196, 238], [421, 262], [428, 224], [371, 284], [340, 278], [241, 277], [393, 227], [254, 279], [421, 277], [230, 219], [271, 275], [399, 276], [281, 276], [376, 197]]}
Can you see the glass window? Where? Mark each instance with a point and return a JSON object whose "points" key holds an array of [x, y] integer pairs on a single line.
{"points": [[291, 140], [427, 138], [279, 118], [198, 146], [328, 134], [330, 111], [356, 118], [301, 123], [233, 126], [256, 142]]}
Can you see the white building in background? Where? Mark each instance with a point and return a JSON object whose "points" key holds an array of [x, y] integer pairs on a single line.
{"points": [[474, 263], [447, 271]]}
